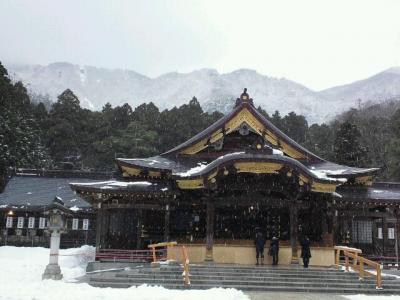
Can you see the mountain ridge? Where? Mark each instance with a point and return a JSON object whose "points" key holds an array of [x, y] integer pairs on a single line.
{"points": [[215, 91]]}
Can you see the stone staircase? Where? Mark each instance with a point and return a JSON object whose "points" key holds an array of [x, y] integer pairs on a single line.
{"points": [[263, 278]]}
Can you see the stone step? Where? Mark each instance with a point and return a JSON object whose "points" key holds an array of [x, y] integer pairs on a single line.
{"points": [[270, 288], [250, 274], [255, 268], [232, 283], [306, 271], [256, 279]]}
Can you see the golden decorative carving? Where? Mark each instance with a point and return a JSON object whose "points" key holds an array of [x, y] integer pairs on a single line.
{"points": [[258, 167], [212, 175], [290, 151], [195, 148], [190, 184], [216, 136], [303, 178], [364, 180], [245, 116], [154, 174], [323, 187], [129, 171]]}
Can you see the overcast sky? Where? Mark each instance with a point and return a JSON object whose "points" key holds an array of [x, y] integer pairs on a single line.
{"points": [[317, 43]]}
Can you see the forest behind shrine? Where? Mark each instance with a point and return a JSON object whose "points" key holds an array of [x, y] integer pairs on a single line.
{"points": [[65, 135]]}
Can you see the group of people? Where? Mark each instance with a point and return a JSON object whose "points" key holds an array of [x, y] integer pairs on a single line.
{"points": [[274, 249]]}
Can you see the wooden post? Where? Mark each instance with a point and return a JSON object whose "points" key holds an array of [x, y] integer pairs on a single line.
{"points": [[154, 254], [384, 235], [166, 223], [337, 257], [346, 261], [378, 278], [209, 230], [361, 270], [355, 259], [293, 211], [139, 214]]}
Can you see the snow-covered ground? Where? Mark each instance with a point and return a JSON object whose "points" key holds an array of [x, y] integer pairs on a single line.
{"points": [[371, 297], [21, 270]]}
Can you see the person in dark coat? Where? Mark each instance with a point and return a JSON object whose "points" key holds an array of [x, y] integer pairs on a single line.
{"points": [[274, 250], [305, 251], [260, 243]]}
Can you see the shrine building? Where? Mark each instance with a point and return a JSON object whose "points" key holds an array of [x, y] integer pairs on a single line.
{"points": [[212, 191]]}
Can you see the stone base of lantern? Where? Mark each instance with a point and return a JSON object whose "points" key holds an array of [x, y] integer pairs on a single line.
{"points": [[52, 271]]}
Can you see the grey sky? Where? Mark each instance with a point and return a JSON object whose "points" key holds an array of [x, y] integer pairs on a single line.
{"points": [[315, 42]]}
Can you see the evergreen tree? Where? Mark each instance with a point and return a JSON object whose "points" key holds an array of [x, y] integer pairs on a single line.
{"points": [[394, 147], [20, 139], [296, 127], [347, 147], [320, 141]]}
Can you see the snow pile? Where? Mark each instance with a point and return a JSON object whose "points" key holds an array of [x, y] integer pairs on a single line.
{"points": [[200, 167], [277, 152], [323, 174], [371, 297], [22, 269]]}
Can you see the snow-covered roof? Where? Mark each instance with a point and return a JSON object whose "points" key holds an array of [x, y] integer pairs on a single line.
{"points": [[36, 191]]}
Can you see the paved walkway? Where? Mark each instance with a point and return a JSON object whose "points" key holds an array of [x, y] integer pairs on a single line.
{"points": [[291, 296]]}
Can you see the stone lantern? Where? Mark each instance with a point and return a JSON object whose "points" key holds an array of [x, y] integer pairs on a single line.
{"points": [[56, 213]]}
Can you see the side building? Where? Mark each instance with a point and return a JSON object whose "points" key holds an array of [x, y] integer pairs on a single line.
{"points": [[26, 197], [242, 173]]}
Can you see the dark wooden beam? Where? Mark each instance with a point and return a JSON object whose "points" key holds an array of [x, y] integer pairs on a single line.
{"points": [[210, 213], [166, 223], [293, 213], [139, 214]]}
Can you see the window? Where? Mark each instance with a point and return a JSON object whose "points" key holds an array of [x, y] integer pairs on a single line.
{"points": [[362, 231], [85, 225], [391, 233], [75, 223], [380, 233], [42, 223], [31, 222], [9, 222], [20, 223]]}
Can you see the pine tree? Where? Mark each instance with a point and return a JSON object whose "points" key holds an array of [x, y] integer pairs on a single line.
{"points": [[20, 138], [394, 147], [347, 147]]}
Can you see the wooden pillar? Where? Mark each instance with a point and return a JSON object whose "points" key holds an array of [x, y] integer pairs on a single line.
{"points": [[293, 211], [99, 220], [397, 236], [166, 223], [102, 223], [384, 234], [139, 216], [105, 223], [210, 210]]}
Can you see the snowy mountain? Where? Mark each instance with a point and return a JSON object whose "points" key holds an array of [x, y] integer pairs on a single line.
{"points": [[215, 91], [380, 87]]}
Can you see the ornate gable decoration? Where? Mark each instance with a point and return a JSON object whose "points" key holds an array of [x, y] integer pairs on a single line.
{"points": [[245, 114]]}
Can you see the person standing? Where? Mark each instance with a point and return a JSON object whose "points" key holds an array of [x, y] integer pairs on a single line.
{"points": [[260, 244], [274, 250], [305, 251]]}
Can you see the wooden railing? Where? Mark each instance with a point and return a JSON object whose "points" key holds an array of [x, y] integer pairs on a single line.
{"points": [[185, 257], [358, 263], [159, 245]]}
